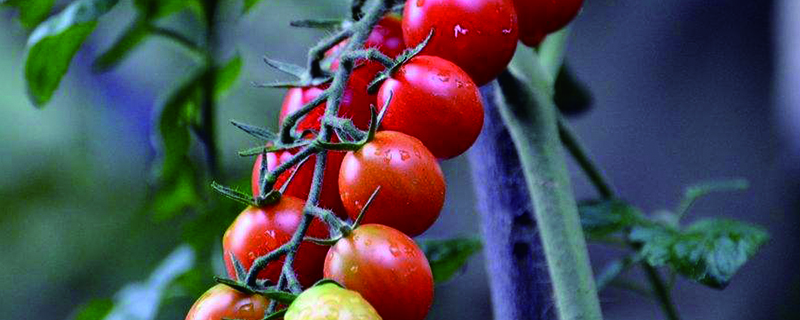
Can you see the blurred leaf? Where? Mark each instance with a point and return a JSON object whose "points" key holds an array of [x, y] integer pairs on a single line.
{"points": [[154, 9], [699, 190], [123, 46], [54, 42], [95, 309], [324, 24], [140, 301], [227, 75], [249, 4], [571, 96], [31, 12], [177, 176], [603, 217], [446, 257], [709, 252]]}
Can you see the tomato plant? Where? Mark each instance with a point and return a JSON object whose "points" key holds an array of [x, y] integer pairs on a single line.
{"points": [[412, 186], [329, 301], [479, 36], [537, 18], [435, 101], [223, 302], [301, 182], [259, 230], [387, 268]]}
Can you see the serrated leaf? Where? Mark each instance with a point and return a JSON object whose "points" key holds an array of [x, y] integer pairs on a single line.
{"points": [[227, 75], [94, 310], [176, 176], [31, 12], [53, 44], [123, 46], [154, 9], [447, 257], [604, 217], [709, 251]]}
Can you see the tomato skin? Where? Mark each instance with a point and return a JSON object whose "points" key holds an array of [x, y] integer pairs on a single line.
{"points": [[387, 37], [300, 185], [330, 302], [480, 36], [412, 184], [223, 302], [258, 231], [537, 18], [435, 101], [387, 268], [355, 103]]}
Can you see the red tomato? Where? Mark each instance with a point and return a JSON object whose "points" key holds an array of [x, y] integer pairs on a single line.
{"points": [[412, 184], [223, 302], [258, 231], [480, 36], [387, 268], [436, 102], [355, 103], [387, 37], [301, 183], [537, 18]]}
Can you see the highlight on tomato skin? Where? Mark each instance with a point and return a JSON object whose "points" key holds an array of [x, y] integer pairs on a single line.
{"points": [[435, 101], [328, 301], [260, 230], [480, 36], [300, 184], [387, 268], [538, 18], [223, 302], [412, 185]]}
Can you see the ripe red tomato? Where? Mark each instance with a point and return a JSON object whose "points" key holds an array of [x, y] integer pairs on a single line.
{"points": [[387, 268], [300, 185], [355, 103], [258, 231], [412, 184], [387, 37], [480, 36], [223, 302], [537, 18], [329, 301], [436, 102]]}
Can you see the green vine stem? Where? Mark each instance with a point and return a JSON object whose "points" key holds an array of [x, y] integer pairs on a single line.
{"points": [[531, 119]]}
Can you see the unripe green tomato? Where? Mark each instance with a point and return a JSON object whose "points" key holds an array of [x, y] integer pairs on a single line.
{"points": [[330, 302]]}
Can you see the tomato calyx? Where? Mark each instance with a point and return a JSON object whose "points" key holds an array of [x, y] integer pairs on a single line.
{"points": [[399, 61], [265, 291]]}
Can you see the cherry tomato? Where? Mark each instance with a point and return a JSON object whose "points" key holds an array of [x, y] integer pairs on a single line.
{"points": [[537, 18], [480, 36], [387, 37], [330, 302], [387, 268], [258, 231], [355, 103], [300, 185], [223, 302], [412, 184], [436, 102]]}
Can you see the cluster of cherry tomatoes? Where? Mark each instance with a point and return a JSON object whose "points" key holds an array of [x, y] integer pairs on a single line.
{"points": [[434, 112]]}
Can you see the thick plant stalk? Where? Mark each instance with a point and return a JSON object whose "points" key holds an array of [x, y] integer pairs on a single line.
{"points": [[515, 260], [531, 119]]}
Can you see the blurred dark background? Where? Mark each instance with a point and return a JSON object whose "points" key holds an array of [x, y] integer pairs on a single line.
{"points": [[685, 91]]}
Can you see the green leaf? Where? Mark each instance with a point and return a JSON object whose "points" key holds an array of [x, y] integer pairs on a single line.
{"points": [[31, 12], [249, 4], [227, 75], [604, 217], [53, 44], [128, 41], [699, 190], [709, 251], [178, 187], [95, 309], [447, 257], [154, 9]]}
